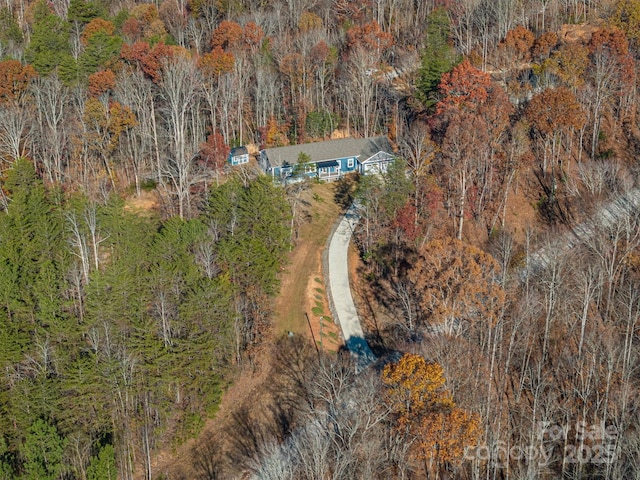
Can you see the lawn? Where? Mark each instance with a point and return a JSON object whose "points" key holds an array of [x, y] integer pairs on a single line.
{"points": [[303, 289]]}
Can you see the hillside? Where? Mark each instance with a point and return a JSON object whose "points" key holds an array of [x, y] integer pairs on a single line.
{"points": [[154, 299]]}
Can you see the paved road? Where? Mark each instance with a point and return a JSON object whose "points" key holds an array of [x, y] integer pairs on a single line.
{"points": [[340, 292], [623, 206]]}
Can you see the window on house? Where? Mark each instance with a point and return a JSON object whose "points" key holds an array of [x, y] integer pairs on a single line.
{"points": [[350, 163]]}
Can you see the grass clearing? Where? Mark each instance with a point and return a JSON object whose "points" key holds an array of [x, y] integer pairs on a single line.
{"points": [[305, 265]]}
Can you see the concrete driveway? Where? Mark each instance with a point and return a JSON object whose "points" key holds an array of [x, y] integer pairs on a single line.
{"points": [[340, 291]]}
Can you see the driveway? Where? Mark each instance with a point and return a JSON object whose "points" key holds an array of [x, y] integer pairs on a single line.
{"points": [[340, 291]]}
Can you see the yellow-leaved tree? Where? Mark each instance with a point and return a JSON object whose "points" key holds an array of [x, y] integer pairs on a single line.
{"points": [[426, 414]]}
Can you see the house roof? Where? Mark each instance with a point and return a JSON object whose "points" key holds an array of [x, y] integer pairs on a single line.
{"points": [[361, 148], [237, 151], [378, 158]]}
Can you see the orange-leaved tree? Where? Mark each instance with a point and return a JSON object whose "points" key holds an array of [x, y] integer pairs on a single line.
{"points": [[214, 152], [612, 72], [464, 88], [95, 26], [227, 35], [106, 123], [458, 286], [415, 387], [101, 82], [370, 36], [14, 79], [555, 116], [149, 59], [216, 63], [544, 45], [517, 45], [425, 413], [253, 35], [144, 23]]}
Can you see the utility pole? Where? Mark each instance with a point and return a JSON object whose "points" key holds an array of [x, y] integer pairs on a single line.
{"points": [[313, 337]]}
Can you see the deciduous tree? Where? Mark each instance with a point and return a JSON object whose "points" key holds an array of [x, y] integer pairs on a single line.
{"points": [[180, 89], [555, 116], [227, 35], [426, 413], [464, 88], [52, 126], [101, 82], [518, 43], [612, 73], [11, 37], [214, 153], [627, 17], [458, 286], [468, 163], [148, 58], [15, 78]]}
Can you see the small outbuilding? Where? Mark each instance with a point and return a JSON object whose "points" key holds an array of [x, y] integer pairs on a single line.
{"points": [[238, 156]]}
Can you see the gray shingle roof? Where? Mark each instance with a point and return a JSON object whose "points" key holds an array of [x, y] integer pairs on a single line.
{"points": [[362, 148], [237, 151]]}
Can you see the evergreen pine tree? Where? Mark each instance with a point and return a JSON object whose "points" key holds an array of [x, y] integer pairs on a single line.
{"points": [[42, 450], [83, 12], [438, 56], [6, 470], [10, 33], [103, 465], [49, 45], [100, 48]]}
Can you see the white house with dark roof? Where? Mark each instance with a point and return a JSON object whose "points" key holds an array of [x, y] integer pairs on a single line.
{"points": [[330, 159], [238, 156]]}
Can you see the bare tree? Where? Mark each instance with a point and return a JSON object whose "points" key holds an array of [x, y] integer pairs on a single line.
{"points": [[360, 91], [51, 100], [15, 123], [465, 147], [141, 145], [208, 459], [180, 91]]}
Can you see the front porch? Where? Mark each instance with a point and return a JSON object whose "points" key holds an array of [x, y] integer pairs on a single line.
{"points": [[329, 170]]}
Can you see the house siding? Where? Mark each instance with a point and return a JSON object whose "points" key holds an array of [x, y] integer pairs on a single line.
{"points": [[373, 154], [344, 164], [238, 156], [239, 159]]}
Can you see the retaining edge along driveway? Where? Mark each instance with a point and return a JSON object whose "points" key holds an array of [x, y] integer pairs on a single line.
{"points": [[340, 291]]}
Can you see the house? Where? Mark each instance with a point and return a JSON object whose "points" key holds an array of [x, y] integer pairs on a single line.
{"points": [[328, 160], [238, 156]]}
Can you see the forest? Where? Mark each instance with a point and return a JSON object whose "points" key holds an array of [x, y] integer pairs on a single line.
{"points": [[138, 270]]}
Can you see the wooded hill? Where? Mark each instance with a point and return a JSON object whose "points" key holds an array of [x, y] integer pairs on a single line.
{"points": [[121, 327]]}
